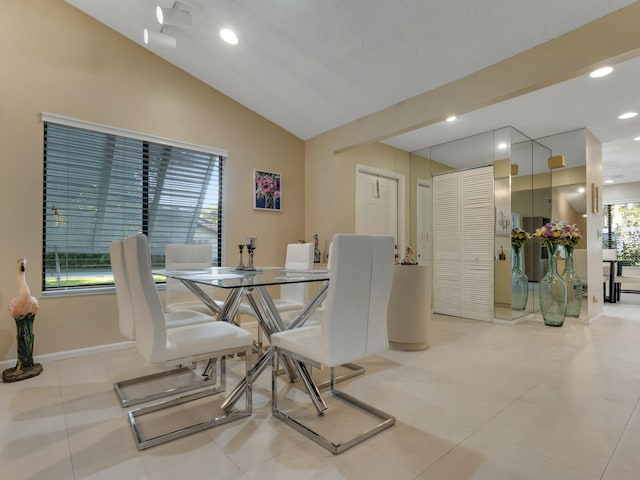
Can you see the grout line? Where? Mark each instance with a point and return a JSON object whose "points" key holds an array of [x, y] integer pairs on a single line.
{"points": [[66, 423], [479, 428], [624, 429]]}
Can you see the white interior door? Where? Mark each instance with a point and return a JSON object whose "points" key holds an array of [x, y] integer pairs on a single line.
{"points": [[380, 203], [423, 222]]}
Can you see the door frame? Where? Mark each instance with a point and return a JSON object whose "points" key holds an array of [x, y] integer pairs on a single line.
{"points": [[400, 178], [422, 182]]}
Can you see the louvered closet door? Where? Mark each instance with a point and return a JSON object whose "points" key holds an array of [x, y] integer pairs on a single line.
{"points": [[463, 243], [447, 238], [478, 236]]}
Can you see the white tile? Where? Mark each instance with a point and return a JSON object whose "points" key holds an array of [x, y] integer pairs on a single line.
{"points": [[500, 461], [625, 461], [483, 402]]}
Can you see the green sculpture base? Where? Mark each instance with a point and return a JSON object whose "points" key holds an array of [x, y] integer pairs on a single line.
{"points": [[15, 374], [25, 368]]}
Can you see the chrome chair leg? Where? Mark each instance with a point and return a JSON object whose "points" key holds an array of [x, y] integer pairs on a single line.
{"points": [[354, 371]]}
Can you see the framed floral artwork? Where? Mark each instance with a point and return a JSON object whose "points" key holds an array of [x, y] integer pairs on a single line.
{"points": [[267, 190], [503, 222]]}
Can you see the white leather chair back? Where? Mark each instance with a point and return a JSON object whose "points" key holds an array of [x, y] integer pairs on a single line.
{"points": [[123, 293], [187, 255], [355, 321], [181, 256], [150, 328], [299, 257]]}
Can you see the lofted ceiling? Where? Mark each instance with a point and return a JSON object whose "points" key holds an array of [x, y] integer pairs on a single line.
{"points": [[310, 66]]}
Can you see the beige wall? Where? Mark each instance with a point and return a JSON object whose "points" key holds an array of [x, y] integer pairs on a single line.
{"points": [[575, 53], [374, 155], [622, 193], [594, 226], [58, 60]]}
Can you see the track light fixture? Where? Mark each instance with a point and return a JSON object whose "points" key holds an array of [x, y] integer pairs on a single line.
{"points": [[173, 16], [167, 17], [159, 39]]}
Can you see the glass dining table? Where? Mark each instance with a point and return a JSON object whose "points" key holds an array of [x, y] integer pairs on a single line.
{"points": [[253, 285]]}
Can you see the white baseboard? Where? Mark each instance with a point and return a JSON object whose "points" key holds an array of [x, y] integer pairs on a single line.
{"points": [[80, 352], [594, 318], [523, 318]]}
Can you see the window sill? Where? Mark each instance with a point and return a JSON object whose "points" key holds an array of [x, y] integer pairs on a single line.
{"points": [[73, 292]]}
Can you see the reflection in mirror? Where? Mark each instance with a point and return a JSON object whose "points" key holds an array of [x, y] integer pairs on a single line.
{"points": [[570, 206], [486, 149], [527, 194], [531, 208]]}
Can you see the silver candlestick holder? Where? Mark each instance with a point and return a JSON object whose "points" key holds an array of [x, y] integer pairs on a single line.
{"points": [[241, 264], [251, 248]]}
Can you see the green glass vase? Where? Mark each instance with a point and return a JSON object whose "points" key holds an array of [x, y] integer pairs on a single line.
{"points": [[519, 283], [553, 292], [574, 285]]}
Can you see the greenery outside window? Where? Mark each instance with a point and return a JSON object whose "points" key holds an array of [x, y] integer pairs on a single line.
{"points": [[621, 230], [102, 183]]}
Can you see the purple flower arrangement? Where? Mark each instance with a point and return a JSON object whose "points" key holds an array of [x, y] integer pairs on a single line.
{"points": [[558, 233], [519, 237]]}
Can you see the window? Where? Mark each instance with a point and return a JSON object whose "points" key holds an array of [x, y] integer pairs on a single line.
{"points": [[621, 230], [102, 184]]}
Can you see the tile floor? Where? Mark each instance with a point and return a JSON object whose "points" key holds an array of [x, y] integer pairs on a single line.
{"points": [[485, 401]]}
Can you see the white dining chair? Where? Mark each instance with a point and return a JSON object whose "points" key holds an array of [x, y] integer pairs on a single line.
{"points": [[350, 369], [627, 282], [126, 324], [353, 326], [610, 254], [178, 346], [185, 256]]}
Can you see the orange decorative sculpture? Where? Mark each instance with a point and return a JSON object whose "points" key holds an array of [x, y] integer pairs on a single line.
{"points": [[23, 309]]}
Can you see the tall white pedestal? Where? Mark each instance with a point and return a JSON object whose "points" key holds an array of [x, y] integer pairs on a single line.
{"points": [[409, 310]]}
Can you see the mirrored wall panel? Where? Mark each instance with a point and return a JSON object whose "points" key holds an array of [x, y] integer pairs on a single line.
{"points": [[521, 197]]}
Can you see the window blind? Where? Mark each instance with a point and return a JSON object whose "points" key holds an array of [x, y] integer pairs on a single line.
{"points": [[100, 186]]}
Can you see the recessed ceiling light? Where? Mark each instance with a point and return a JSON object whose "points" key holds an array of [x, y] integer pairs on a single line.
{"points": [[609, 181], [229, 36], [581, 190], [601, 72], [584, 215], [452, 118], [502, 146], [637, 139], [624, 116]]}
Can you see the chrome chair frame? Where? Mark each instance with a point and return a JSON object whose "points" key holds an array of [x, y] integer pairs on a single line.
{"points": [[209, 374], [386, 420], [143, 443]]}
